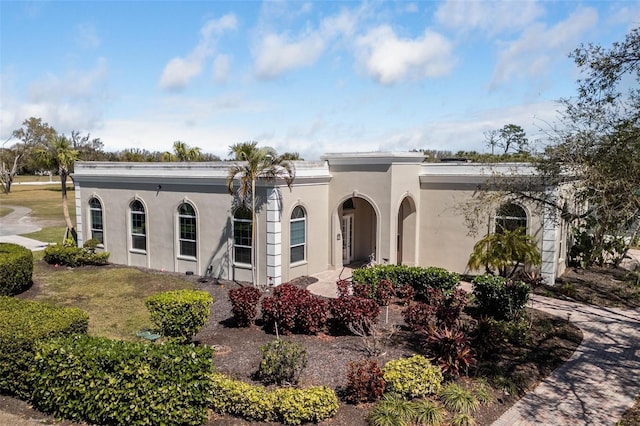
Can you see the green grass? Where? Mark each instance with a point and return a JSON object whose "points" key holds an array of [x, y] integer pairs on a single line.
{"points": [[5, 211], [113, 297], [35, 178], [52, 234], [45, 202]]}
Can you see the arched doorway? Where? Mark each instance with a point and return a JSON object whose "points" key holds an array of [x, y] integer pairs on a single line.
{"points": [[406, 237], [358, 230]]}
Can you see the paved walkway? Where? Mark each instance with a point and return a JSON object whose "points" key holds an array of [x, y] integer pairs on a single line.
{"points": [[594, 387], [18, 222]]}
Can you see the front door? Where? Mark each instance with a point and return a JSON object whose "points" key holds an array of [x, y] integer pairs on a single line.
{"points": [[347, 239]]}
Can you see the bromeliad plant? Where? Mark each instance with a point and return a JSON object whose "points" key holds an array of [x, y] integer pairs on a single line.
{"points": [[451, 349]]}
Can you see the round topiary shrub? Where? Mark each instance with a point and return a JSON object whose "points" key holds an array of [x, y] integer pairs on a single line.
{"points": [[179, 314], [17, 268]]}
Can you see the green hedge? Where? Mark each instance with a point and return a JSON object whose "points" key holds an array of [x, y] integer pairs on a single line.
{"points": [[418, 277], [22, 324], [286, 405], [102, 381], [500, 298], [179, 314], [16, 270], [62, 254]]}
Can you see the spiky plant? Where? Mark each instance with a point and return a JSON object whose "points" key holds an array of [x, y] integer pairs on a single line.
{"points": [[428, 413], [393, 410], [463, 419], [458, 399]]}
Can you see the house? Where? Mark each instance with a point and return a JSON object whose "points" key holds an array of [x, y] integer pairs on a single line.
{"points": [[349, 207]]}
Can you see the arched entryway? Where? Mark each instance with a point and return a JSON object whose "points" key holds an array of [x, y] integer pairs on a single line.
{"points": [[406, 237], [358, 230]]}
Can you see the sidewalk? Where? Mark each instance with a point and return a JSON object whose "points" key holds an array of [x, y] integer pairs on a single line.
{"points": [[594, 387]]}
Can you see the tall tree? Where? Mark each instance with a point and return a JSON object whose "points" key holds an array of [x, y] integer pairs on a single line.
{"points": [[59, 155], [510, 138], [33, 132], [255, 163]]}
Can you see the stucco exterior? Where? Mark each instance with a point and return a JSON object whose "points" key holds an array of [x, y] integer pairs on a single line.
{"points": [[349, 207]]}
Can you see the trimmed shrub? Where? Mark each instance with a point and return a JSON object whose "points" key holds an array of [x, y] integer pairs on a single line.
{"points": [[102, 381], [241, 399], [406, 293], [244, 302], [353, 310], [384, 293], [311, 405], [22, 324], [69, 255], [365, 382], [419, 315], [413, 377], [500, 298], [17, 269], [282, 362], [420, 278], [179, 314], [294, 309], [442, 309], [288, 406]]}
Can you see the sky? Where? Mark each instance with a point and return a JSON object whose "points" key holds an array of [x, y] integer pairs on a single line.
{"points": [[308, 77]]}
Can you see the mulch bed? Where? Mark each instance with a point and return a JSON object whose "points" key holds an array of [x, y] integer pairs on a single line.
{"points": [[553, 341]]}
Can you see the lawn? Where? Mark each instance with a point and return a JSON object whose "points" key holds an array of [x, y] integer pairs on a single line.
{"points": [[51, 234], [5, 211], [113, 297], [45, 202]]}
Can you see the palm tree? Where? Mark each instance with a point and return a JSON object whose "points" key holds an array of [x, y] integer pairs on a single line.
{"points": [[505, 251], [256, 163], [59, 155], [184, 152]]}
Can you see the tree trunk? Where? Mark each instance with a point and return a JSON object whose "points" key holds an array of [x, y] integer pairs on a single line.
{"points": [[254, 254], [65, 204]]}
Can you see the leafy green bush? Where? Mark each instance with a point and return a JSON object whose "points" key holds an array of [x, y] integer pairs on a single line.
{"points": [[296, 406], [63, 254], [22, 324], [500, 298], [282, 362], [102, 381], [255, 403], [421, 279], [17, 268], [179, 314], [413, 377]]}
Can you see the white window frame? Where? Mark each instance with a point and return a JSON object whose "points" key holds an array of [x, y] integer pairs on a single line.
{"points": [[132, 214], [92, 228], [304, 242], [195, 232], [242, 246]]}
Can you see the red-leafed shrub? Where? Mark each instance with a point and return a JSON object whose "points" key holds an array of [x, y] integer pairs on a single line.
{"points": [[449, 307], [384, 292], [406, 293], [354, 310], [365, 382], [450, 348], [344, 288], [244, 304], [362, 290], [294, 309], [419, 315]]}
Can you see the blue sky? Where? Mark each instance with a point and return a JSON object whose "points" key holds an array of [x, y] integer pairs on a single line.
{"points": [[311, 77]]}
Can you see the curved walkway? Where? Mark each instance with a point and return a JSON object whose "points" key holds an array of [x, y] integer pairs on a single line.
{"points": [[18, 222], [594, 387]]}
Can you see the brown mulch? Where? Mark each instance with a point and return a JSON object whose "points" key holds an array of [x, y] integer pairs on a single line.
{"points": [[553, 341]]}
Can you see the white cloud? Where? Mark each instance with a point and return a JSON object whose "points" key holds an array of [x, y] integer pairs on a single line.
{"points": [[181, 70], [389, 59], [276, 54], [73, 101], [492, 17], [87, 36], [530, 55], [221, 66]]}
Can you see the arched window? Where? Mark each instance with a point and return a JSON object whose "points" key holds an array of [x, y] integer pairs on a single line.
{"points": [[298, 235], [511, 217], [95, 218], [242, 236], [138, 226], [187, 230]]}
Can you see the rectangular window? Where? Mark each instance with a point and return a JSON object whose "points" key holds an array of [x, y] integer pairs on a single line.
{"points": [[242, 241]]}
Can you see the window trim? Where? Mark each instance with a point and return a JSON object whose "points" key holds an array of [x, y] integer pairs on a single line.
{"points": [[180, 239], [92, 209], [524, 218], [292, 220], [233, 237], [132, 234]]}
